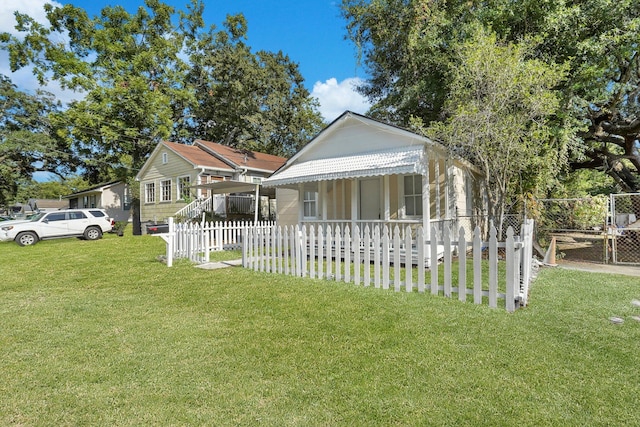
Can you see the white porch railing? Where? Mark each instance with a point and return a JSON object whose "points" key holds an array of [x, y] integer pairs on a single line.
{"points": [[413, 225], [196, 208], [217, 203], [195, 241], [385, 258]]}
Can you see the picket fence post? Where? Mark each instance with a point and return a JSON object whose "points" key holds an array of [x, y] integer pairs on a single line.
{"points": [[356, 255], [462, 265], [493, 267], [510, 260]]}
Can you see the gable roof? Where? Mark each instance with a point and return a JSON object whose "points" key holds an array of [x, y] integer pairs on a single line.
{"points": [[356, 146], [95, 189], [344, 130], [240, 158], [196, 156], [210, 155]]}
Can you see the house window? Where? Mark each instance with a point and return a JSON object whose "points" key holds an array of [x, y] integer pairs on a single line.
{"points": [[413, 195], [89, 201], [165, 190], [165, 158], [310, 202], [183, 187], [150, 192]]}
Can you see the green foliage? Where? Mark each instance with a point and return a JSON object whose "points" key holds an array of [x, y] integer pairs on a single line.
{"points": [[590, 213], [50, 189], [27, 139], [139, 86], [409, 48], [252, 101], [498, 116]]}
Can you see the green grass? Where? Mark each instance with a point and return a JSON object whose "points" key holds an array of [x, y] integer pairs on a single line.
{"points": [[101, 333]]}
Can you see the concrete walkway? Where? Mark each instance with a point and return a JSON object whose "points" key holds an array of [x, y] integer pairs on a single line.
{"points": [[627, 270], [220, 264]]}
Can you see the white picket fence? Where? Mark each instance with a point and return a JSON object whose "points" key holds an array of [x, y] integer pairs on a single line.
{"points": [[195, 241], [382, 258]]}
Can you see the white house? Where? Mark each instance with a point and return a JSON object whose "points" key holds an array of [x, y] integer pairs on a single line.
{"points": [[361, 171]]}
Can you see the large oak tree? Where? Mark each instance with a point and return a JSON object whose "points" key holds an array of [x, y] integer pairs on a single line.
{"points": [[28, 141], [409, 49], [160, 74]]}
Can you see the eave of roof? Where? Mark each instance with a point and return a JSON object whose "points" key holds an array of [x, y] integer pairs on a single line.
{"points": [[400, 160]]}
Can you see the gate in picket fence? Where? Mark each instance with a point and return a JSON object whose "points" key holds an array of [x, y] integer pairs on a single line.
{"points": [[195, 241], [487, 270]]}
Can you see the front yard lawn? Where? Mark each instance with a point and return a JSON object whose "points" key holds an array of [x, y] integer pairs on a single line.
{"points": [[102, 333]]}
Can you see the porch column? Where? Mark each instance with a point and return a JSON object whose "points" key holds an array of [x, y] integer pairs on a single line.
{"points": [[300, 203], [354, 202], [386, 198], [343, 200], [323, 202], [426, 204], [447, 190], [257, 204]]}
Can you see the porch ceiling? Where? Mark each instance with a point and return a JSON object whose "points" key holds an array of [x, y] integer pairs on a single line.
{"points": [[224, 187], [403, 160]]}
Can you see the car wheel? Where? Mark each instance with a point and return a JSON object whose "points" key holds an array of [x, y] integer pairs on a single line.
{"points": [[92, 233], [27, 238]]}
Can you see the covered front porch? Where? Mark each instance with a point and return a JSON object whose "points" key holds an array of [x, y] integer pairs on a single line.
{"points": [[400, 187]]}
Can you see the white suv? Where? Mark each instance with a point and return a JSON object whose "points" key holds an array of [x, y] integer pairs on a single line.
{"points": [[88, 224]]}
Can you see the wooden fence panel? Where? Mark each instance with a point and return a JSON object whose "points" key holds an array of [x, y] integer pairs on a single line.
{"points": [[332, 253]]}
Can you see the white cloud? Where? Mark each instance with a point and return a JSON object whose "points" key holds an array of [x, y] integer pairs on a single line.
{"points": [[335, 98], [24, 78], [33, 8]]}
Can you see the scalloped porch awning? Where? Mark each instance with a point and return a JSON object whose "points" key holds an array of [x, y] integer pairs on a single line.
{"points": [[397, 161]]}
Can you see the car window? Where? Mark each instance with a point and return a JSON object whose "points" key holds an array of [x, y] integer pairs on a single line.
{"points": [[77, 215], [37, 217], [97, 214], [56, 216]]}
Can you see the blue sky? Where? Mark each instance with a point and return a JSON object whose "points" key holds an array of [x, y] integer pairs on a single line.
{"points": [[311, 32]]}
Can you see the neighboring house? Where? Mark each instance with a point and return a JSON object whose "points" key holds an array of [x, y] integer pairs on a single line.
{"points": [[114, 197], [359, 171], [36, 205], [177, 177]]}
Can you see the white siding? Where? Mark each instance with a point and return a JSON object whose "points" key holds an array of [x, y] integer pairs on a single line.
{"points": [[287, 206]]}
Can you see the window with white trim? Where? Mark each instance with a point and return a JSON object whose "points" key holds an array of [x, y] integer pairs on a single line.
{"points": [[413, 195], [183, 187], [310, 203], [150, 192], [165, 190], [165, 158]]}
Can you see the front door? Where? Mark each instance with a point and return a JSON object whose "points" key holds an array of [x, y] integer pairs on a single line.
{"points": [[370, 199]]}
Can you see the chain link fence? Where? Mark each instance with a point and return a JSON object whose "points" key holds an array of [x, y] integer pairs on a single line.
{"points": [[578, 225], [601, 229], [623, 229], [597, 229]]}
